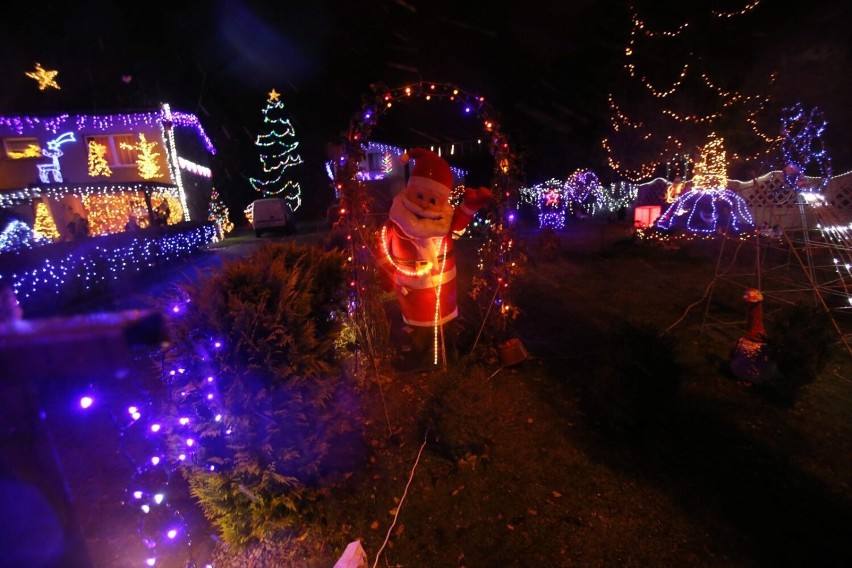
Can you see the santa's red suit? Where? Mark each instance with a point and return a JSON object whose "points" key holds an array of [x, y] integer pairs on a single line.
{"points": [[416, 243]]}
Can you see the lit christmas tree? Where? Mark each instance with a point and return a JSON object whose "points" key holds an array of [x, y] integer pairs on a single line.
{"points": [[45, 226], [146, 161], [218, 214], [277, 154], [98, 165], [709, 207], [710, 170]]}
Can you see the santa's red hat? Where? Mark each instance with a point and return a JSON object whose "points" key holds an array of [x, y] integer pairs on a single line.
{"points": [[430, 171]]}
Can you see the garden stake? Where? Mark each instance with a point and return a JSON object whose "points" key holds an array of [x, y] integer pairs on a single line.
{"points": [[485, 319]]}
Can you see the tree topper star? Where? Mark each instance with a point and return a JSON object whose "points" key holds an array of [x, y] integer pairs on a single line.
{"points": [[273, 96], [44, 77]]}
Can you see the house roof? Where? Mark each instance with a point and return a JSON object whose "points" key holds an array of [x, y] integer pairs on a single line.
{"points": [[52, 124]]}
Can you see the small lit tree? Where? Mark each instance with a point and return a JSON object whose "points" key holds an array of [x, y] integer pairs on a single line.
{"points": [[44, 225], [219, 215], [98, 165], [146, 160]]}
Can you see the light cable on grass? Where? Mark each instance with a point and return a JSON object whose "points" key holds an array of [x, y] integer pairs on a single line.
{"points": [[402, 499]]}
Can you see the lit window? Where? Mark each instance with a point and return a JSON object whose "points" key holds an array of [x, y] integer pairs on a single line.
{"points": [[18, 148], [120, 149]]}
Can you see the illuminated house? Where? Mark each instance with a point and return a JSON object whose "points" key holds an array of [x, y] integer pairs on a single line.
{"points": [[107, 167]]}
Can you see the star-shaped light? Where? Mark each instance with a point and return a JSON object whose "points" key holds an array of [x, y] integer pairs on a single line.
{"points": [[44, 77], [551, 199], [273, 96]]}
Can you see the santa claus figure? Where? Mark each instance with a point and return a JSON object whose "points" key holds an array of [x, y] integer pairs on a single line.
{"points": [[416, 257]]}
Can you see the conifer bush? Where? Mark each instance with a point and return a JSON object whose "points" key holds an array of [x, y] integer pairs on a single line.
{"points": [[800, 338], [261, 405], [636, 388]]}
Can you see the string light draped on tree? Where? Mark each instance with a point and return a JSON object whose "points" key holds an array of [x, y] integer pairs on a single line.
{"points": [[803, 149], [673, 96], [278, 153], [218, 214]]}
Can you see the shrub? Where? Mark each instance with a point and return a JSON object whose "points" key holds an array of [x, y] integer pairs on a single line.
{"points": [[260, 404], [800, 338], [636, 386]]}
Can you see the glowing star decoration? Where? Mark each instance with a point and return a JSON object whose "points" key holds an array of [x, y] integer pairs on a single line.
{"points": [[146, 162], [44, 77], [551, 199], [54, 151], [98, 165], [273, 96]]}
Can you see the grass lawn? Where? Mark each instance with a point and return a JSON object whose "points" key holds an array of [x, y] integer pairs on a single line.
{"points": [[560, 461]]}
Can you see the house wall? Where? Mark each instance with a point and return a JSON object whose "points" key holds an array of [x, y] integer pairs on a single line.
{"points": [[71, 188], [74, 161]]}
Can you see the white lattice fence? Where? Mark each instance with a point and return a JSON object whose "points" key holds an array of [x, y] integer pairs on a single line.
{"points": [[769, 201]]}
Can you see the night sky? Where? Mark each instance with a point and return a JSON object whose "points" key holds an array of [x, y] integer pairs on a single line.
{"points": [[545, 67]]}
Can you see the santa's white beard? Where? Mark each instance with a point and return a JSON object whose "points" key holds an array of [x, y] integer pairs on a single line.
{"points": [[403, 212]]}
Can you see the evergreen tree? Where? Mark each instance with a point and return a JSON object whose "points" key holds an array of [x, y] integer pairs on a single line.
{"points": [[686, 76], [219, 215], [277, 154]]}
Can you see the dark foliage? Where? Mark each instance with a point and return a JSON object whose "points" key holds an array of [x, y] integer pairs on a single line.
{"points": [[800, 339], [635, 389]]}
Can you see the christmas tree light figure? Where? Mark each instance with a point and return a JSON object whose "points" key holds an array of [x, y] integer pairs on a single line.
{"points": [[218, 214], [709, 207], [146, 162], [277, 154], [45, 226], [98, 165]]}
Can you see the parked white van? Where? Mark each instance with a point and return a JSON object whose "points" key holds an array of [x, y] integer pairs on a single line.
{"points": [[272, 214]]}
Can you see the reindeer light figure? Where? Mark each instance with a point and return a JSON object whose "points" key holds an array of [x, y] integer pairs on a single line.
{"points": [[53, 152]]}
